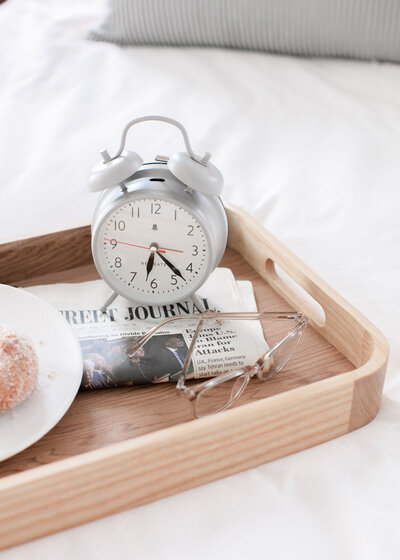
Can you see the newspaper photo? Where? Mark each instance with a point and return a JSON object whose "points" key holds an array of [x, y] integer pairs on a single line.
{"points": [[105, 337]]}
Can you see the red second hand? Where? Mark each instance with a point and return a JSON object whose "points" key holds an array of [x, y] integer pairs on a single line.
{"points": [[161, 249]]}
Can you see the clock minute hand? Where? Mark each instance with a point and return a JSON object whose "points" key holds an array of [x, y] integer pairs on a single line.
{"points": [[170, 265]]}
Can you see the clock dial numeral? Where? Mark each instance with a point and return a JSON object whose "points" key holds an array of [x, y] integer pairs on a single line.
{"points": [[119, 225], [162, 241]]}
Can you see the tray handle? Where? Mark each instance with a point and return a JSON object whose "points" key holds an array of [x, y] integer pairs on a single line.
{"points": [[331, 315]]}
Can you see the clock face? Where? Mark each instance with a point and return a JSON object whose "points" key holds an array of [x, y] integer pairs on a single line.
{"points": [[153, 251]]}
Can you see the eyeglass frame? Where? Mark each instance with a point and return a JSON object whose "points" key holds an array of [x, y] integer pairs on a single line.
{"points": [[193, 392]]}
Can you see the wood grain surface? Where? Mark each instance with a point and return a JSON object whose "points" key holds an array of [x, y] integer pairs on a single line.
{"points": [[98, 418], [118, 448]]}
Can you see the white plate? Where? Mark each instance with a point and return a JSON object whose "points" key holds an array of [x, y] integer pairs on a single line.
{"points": [[60, 361]]}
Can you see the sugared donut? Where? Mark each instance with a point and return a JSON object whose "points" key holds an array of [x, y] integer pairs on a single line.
{"points": [[19, 368]]}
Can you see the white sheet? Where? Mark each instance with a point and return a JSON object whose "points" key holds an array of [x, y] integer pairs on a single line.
{"points": [[311, 148]]}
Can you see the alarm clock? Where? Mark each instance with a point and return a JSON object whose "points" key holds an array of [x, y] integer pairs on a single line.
{"points": [[159, 229]]}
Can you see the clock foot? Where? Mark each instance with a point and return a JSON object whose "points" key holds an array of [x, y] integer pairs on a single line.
{"points": [[108, 302]]}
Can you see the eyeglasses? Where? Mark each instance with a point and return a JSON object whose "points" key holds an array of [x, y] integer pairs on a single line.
{"points": [[218, 394]]}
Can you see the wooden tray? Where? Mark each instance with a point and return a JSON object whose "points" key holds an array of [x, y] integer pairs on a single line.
{"points": [[116, 449]]}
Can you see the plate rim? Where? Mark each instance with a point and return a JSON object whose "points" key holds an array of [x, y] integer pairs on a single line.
{"points": [[54, 421]]}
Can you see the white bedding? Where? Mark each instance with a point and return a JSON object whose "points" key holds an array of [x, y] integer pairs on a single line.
{"points": [[311, 148]]}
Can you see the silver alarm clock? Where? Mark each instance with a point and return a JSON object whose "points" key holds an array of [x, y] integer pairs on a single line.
{"points": [[159, 229]]}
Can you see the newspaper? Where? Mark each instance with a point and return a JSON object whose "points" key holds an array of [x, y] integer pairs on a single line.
{"points": [[104, 337]]}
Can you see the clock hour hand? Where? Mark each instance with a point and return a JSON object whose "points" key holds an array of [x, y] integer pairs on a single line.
{"points": [[150, 264], [171, 266]]}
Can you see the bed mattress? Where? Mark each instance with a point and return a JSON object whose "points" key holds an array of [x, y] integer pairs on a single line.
{"points": [[310, 147]]}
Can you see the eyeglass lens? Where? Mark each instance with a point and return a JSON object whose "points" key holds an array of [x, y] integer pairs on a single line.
{"points": [[219, 396], [222, 393], [281, 355]]}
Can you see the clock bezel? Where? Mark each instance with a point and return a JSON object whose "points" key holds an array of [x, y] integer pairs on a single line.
{"points": [[143, 189]]}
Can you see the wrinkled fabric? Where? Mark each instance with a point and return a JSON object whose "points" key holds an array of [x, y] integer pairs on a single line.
{"points": [[311, 149]]}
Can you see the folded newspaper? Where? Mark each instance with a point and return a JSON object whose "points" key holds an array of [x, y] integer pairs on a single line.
{"points": [[104, 337]]}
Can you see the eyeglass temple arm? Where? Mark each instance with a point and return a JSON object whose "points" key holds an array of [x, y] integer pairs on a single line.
{"points": [[138, 344], [234, 315], [185, 367]]}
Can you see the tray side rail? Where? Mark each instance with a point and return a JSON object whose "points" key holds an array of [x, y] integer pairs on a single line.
{"points": [[341, 324], [73, 491]]}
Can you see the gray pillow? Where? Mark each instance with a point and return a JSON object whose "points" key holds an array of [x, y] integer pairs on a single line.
{"points": [[368, 29]]}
